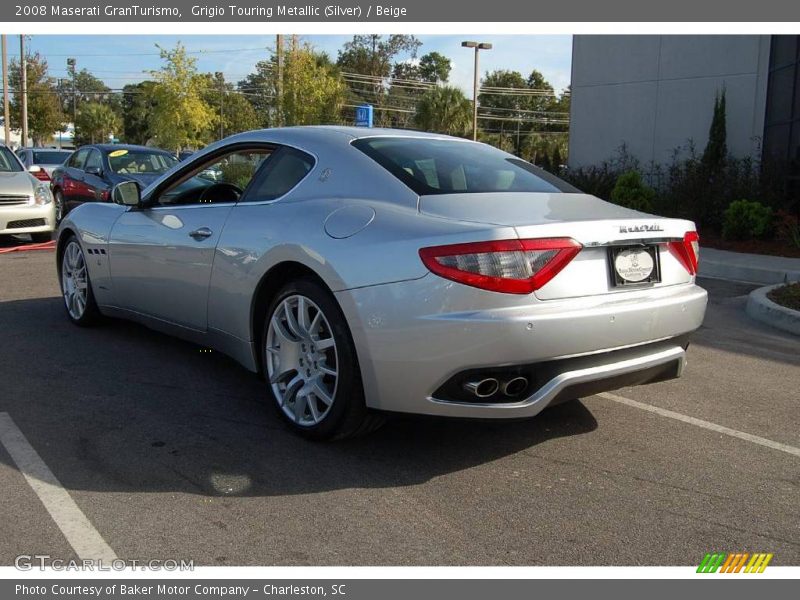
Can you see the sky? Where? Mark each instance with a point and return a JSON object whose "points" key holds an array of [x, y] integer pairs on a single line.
{"points": [[119, 59]]}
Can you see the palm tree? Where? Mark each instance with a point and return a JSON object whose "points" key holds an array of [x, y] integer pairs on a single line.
{"points": [[96, 122], [444, 109]]}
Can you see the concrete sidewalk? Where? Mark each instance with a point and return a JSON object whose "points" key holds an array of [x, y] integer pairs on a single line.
{"points": [[752, 268]]}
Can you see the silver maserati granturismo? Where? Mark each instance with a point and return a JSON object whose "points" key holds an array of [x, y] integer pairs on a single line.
{"points": [[370, 271]]}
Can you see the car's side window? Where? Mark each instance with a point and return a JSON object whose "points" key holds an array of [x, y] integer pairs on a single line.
{"points": [[219, 180], [280, 175], [79, 158], [94, 160]]}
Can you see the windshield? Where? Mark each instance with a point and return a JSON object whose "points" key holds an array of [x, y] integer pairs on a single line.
{"points": [[437, 166], [8, 162], [49, 157], [132, 162]]}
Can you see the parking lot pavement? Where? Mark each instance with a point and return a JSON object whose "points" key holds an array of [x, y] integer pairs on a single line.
{"points": [[171, 453]]}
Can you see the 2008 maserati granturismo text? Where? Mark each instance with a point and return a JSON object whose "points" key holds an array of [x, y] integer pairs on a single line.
{"points": [[366, 271]]}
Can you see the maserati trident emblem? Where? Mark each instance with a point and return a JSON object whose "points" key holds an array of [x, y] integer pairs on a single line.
{"points": [[639, 228]]}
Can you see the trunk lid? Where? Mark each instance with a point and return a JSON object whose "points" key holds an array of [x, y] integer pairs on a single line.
{"points": [[598, 225]]}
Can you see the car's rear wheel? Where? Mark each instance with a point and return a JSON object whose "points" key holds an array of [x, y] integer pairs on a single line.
{"points": [[311, 366], [76, 288]]}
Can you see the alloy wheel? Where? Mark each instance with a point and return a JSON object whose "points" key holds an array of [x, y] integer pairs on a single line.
{"points": [[302, 361], [59, 202], [74, 280]]}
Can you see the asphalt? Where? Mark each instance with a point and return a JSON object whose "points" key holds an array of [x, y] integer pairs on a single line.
{"points": [[172, 453]]}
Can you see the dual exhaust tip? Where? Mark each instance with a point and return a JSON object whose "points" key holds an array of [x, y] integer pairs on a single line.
{"points": [[488, 387]]}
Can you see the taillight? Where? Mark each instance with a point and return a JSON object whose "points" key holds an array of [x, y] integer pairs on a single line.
{"points": [[40, 174], [510, 266], [687, 251]]}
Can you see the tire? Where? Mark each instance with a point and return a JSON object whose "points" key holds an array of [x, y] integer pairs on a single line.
{"points": [[58, 199], [41, 238], [310, 365], [76, 288]]}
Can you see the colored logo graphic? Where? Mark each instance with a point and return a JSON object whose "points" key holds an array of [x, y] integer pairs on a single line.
{"points": [[735, 562]]}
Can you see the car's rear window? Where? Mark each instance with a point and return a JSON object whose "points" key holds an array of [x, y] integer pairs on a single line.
{"points": [[49, 158], [440, 166]]}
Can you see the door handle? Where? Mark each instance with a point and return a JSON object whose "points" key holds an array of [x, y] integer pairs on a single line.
{"points": [[201, 234]]}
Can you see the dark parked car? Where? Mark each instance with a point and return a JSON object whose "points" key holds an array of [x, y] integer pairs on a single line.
{"points": [[41, 162], [90, 173]]}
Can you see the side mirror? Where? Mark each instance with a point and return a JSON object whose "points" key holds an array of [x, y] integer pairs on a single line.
{"points": [[94, 171], [34, 169], [127, 193]]}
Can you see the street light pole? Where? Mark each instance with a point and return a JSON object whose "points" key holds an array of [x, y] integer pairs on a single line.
{"points": [[71, 62], [477, 46]]}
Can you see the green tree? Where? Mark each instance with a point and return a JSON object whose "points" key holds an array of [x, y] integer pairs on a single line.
{"points": [[444, 109], [88, 88], [312, 93], [137, 104], [239, 114], [518, 113], [95, 123], [434, 67], [717, 148], [180, 118], [231, 106], [376, 56], [260, 90], [45, 116]]}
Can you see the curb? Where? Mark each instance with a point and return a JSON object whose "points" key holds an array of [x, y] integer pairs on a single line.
{"points": [[51, 245], [761, 308], [739, 272]]}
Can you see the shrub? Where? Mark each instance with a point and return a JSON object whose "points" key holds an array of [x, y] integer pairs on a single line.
{"points": [[787, 228], [630, 191], [599, 180], [745, 220]]}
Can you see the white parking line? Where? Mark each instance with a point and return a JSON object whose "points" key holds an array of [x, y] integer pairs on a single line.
{"points": [[81, 535], [704, 424]]}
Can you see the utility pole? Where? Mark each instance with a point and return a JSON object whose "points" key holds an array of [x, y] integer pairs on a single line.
{"points": [[6, 116], [279, 81], [23, 66], [477, 46]]}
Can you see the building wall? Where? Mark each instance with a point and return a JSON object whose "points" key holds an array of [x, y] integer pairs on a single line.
{"points": [[654, 93], [782, 123]]}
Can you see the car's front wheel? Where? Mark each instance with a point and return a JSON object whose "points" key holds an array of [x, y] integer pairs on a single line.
{"points": [[76, 288], [58, 200], [311, 366]]}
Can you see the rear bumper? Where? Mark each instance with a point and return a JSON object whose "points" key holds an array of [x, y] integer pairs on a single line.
{"points": [[27, 218], [412, 337]]}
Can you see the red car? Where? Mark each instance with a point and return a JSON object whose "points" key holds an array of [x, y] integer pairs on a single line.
{"points": [[90, 173]]}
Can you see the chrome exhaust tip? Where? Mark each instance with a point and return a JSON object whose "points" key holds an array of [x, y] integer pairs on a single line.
{"points": [[482, 388], [514, 387]]}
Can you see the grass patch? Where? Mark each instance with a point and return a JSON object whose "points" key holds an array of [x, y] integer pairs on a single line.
{"points": [[786, 295]]}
